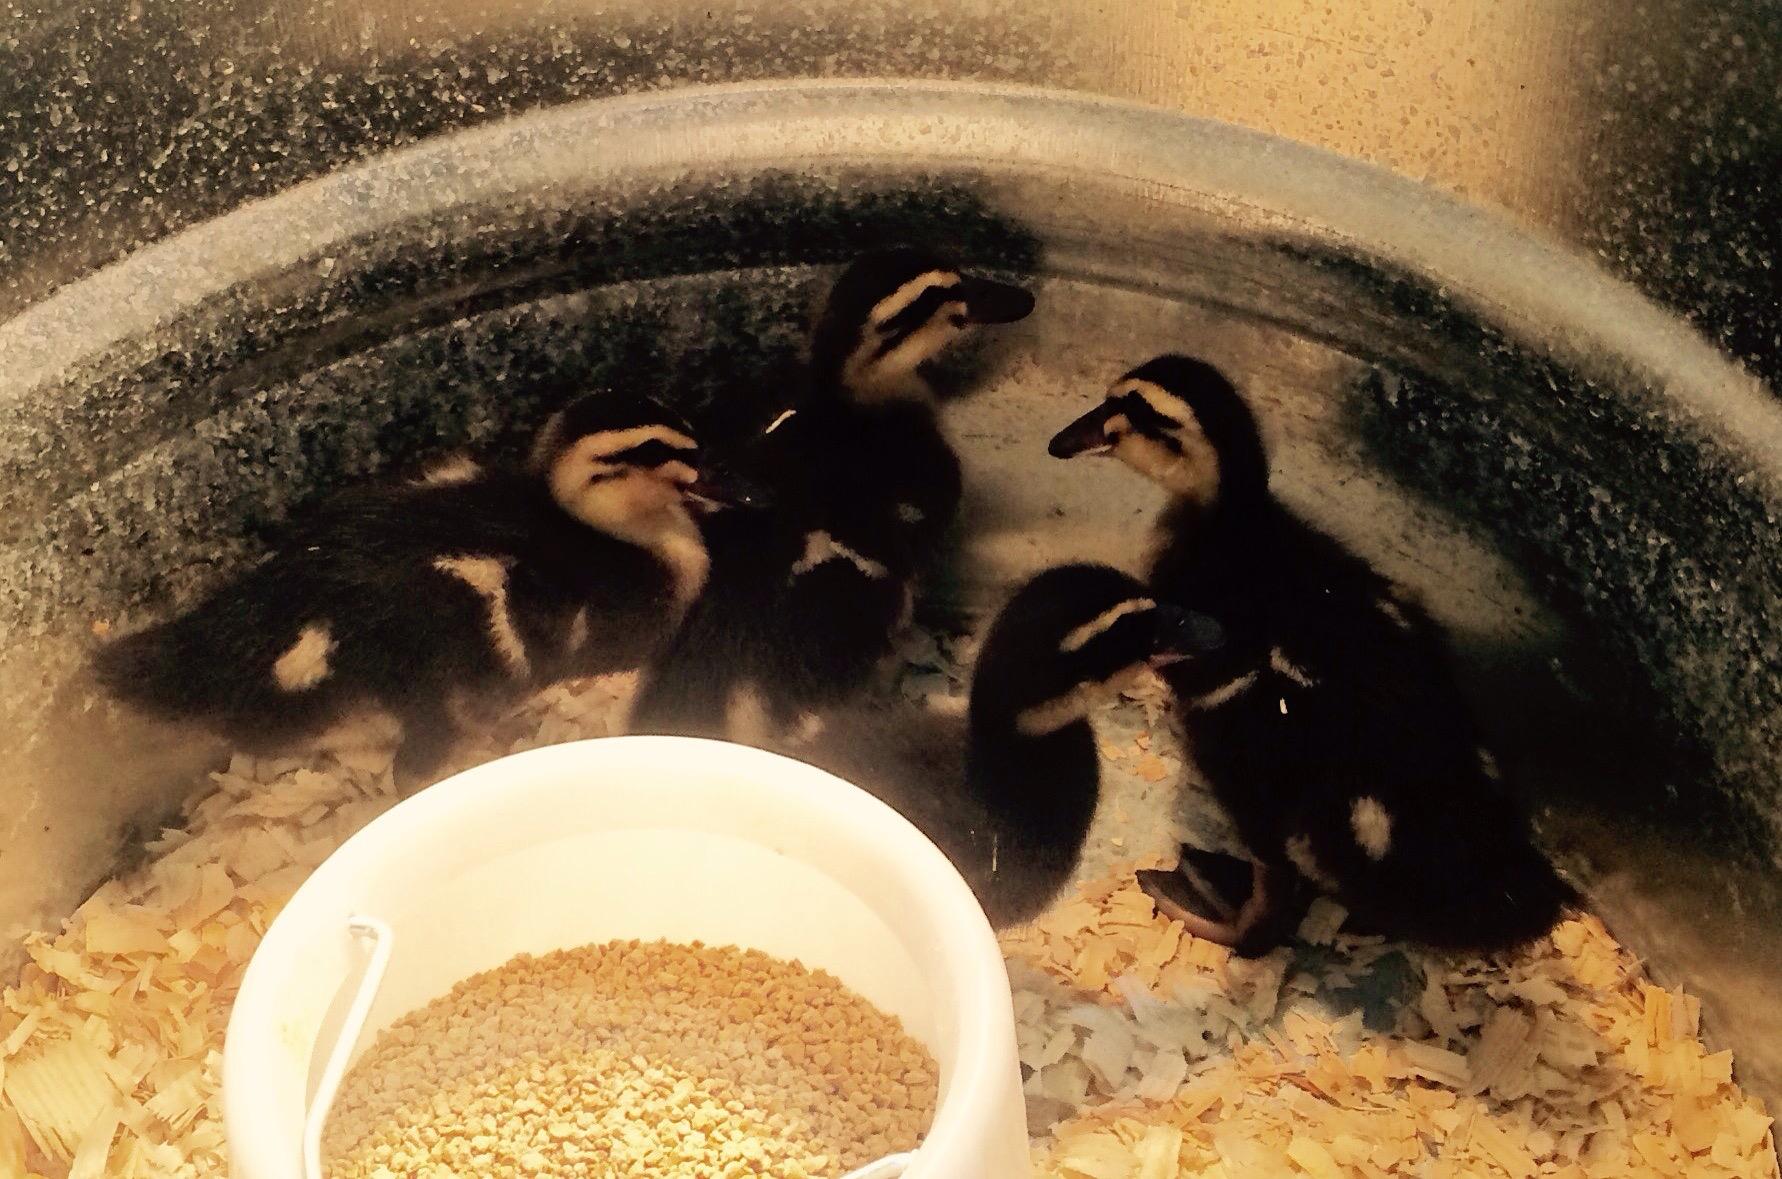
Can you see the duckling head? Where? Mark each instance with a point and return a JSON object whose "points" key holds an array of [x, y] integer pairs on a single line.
{"points": [[1180, 423], [1071, 638], [629, 466], [894, 310]]}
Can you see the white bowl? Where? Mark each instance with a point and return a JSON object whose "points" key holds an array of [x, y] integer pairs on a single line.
{"points": [[632, 837]]}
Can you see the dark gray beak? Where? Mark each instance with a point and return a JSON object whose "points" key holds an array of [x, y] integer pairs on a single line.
{"points": [[718, 488], [1086, 435], [987, 301], [1183, 634]]}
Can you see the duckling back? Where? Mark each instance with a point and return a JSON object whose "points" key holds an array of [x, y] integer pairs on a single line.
{"points": [[234, 658], [805, 600], [431, 600], [1449, 863]]}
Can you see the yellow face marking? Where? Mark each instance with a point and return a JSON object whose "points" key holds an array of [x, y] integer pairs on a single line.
{"points": [[613, 441], [1079, 637], [1192, 475], [1224, 693], [908, 293], [1158, 398], [1074, 705], [1286, 667]]}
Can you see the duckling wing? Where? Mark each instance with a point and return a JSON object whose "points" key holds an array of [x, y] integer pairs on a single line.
{"points": [[1449, 863]]}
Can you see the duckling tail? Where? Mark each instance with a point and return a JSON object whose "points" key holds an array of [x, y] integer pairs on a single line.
{"points": [[158, 669], [1489, 902], [215, 661]]}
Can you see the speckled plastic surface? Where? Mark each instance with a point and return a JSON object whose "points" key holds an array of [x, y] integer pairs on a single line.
{"points": [[1582, 486]]}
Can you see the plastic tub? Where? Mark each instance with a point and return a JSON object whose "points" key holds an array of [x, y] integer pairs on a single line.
{"points": [[631, 837]]}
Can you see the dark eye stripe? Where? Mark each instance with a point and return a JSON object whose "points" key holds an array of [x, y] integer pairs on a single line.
{"points": [[651, 454], [899, 327]]}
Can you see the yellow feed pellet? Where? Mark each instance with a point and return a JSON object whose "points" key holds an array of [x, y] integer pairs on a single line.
{"points": [[635, 1058]]}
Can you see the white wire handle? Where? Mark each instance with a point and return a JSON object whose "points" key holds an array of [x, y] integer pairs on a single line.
{"points": [[889, 1167], [350, 1030], [382, 942]]}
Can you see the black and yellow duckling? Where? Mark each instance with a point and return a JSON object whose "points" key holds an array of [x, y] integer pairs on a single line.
{"points": [[428, 599], [1009, 791], [1331, 727], [806, 599]]}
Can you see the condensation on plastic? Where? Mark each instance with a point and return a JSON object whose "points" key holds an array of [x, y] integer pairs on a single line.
{"points": [[1583, 486]]}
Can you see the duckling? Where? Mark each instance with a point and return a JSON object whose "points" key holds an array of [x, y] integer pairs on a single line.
{"points": [[805, 600], [427, 599], [1008, 791], [1331, 727]]}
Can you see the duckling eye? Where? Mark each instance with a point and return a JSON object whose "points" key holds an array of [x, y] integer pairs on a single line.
{"points": [[958, 319]]}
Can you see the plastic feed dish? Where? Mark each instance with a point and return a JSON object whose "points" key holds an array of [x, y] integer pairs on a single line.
{"points": [[630, 837]]}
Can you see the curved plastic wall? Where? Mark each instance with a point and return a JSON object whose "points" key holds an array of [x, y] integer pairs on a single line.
{"points": [[1581, 483]]}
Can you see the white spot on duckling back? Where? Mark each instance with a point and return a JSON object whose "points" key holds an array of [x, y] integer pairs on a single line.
{"points": [[1299, 853], [488, 577], [1372, 827], [577, 637], [305, 662], [1224, 694], [911, 514], [687, 560], [746, 718], [450, 472], [1488, 764], [1286, 667], [361, 731], [1079, 637], [809, 727], [820, 548], [1393, 612]]}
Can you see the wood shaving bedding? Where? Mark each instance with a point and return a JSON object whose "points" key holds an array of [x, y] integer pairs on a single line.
{"points": [[1559, 1061], [1151, 1054], [111, 1037]]}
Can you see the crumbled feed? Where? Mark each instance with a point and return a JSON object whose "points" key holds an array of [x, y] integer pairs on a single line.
{"points": [[636, 1058], [111, 1037]]}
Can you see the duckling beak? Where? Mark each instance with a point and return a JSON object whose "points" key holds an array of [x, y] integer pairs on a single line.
{"points": [[1183, 634], [1087, 435], [987, 301], [717, 489]]}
